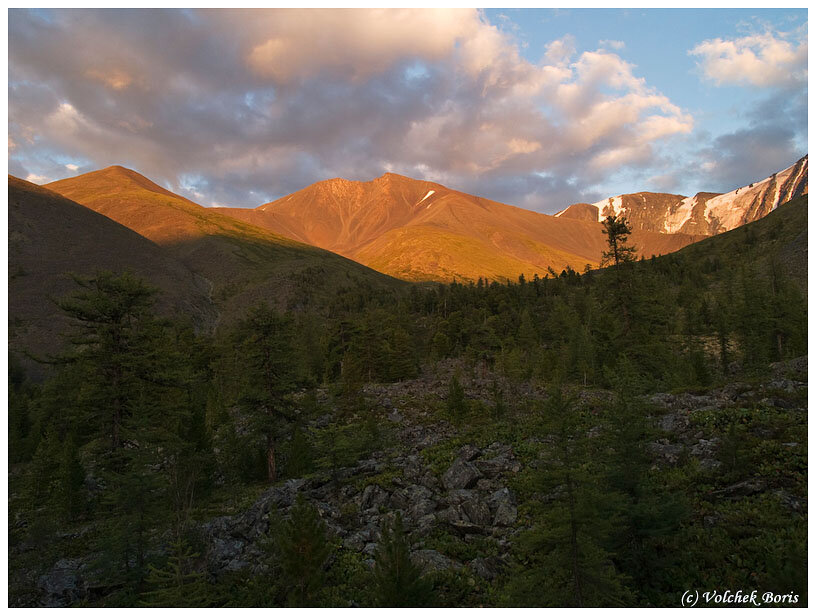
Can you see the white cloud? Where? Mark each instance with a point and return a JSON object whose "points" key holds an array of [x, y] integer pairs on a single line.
{"points": [[617, 45], [269, 101], [300, 43], [761, 60], [37, 179]]}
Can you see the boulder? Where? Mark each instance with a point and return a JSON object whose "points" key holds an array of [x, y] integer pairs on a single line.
{"points": [[373, 497], [63, 584], [665, 451], [486, 568], [461, 474], [469, 453], [506, 515], [477, 512], [431, 560]]}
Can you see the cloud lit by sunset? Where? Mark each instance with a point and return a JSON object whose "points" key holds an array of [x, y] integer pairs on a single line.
{"points": [[536, 108]]}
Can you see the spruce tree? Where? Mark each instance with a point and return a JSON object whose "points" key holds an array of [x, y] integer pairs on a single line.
{"points": [[456, 403], [303, 548], [398, 582], [177, 584]]}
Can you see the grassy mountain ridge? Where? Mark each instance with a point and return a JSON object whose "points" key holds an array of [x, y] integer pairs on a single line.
{"points": [[245, 263], [419, 230]]}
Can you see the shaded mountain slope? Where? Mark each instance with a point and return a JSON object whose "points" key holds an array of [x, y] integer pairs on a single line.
{"points": [[779, 240], [420, 230], [245, 263], [50, 236]]}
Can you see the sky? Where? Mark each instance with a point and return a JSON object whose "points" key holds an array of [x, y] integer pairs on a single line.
{"points": [[538, 108]]}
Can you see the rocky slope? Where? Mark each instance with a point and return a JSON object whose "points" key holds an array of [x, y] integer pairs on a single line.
{"points": [[703, 214], [464, 492]]}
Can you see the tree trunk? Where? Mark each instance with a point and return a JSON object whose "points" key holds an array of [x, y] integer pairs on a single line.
{"points": [[576, 567], [271, 468]]}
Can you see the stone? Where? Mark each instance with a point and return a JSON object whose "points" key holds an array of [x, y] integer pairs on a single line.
{"points": [[506, 515], [469, 453], [461, 474], [431, 560], [486, 568], [373, 497], [420, 508], [457, 497], [743, 488], [370, 549], [63, 584], [429, 481], [705, 448], [398, 500], [501, 496], [495, 466], [477, 512], [673, 422], [665, 451], [425, 525]]}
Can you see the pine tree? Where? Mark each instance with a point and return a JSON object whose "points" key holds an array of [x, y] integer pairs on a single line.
{"points": [[303, 549], [70, 491], [456, 403], [617, 231], [269, 373], [177, 584], [398, 582], [563, 561]]}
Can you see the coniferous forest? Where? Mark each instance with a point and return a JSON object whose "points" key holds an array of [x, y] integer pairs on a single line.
{"points": [[614, 437]]}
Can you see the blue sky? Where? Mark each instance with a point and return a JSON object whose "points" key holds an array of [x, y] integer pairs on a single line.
{"points": [[534, 107]]}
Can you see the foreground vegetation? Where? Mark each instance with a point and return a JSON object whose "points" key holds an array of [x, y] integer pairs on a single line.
{"points": [[146, 431]]}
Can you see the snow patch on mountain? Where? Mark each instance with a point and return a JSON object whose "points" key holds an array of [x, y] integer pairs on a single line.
{"points": [[610, 207], [680, 216], [428, 194]]}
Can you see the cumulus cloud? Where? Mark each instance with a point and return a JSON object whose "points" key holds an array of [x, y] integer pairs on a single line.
{"points": [[761, 60], [253, 104]]}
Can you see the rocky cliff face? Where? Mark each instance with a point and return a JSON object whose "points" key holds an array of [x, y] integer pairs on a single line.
{"points": [[703, 214]]}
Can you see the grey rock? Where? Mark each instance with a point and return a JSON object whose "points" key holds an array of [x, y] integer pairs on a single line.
{"points": [[469, 453], [420, 508], [501, 496], [486, 568], [705, 448], [457, 497], [63, 584], [461, 474], [477, 512], [665, 451], [425, 525], [495, 466], [451, 515], [673, 422], [398, 500], [373, 497], [506, 515], [743, 488], [430, 482], [431, 560], [370, 549], [789, 500]]}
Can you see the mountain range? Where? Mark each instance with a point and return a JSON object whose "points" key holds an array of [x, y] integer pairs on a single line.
{"points": [[705, 213], [418, 230], [212, 264]]}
